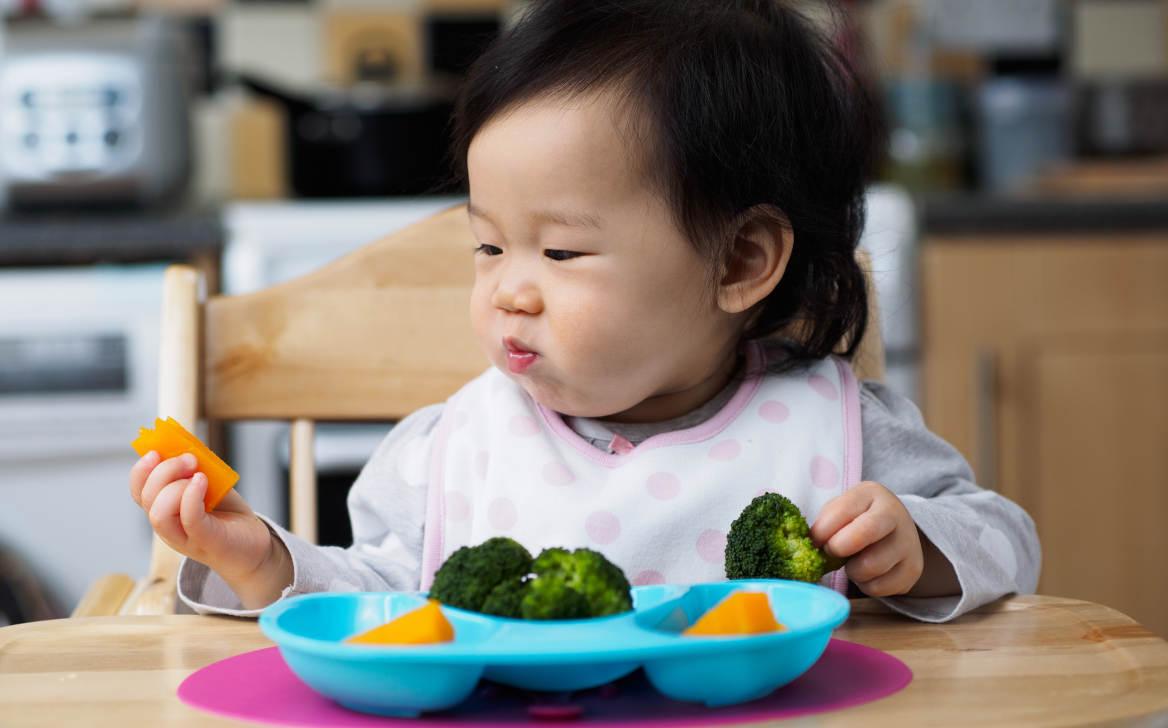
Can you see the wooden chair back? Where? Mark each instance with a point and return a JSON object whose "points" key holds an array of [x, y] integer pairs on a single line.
{"points": [[374, 335]]}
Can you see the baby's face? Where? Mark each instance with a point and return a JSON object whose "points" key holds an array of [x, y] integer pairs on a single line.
{"points": [[581, 263]]}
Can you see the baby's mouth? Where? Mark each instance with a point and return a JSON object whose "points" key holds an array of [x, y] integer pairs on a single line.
{"points": [[519, 357]]}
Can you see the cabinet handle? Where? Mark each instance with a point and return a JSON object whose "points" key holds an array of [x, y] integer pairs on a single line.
{"points": [[985, 398]]}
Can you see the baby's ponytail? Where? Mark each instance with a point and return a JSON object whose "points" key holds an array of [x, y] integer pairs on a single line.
{"points": [[829, 317]]}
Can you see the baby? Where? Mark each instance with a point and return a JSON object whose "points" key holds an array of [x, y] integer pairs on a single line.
{"points": [[666, 199]]}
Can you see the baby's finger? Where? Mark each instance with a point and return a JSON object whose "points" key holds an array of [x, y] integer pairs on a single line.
{"points": [[139, 473], [165, 473], [164, 513], [195, 519], [233, 502], [839, 512], [897, 580], [876, 560], [864, 530]]}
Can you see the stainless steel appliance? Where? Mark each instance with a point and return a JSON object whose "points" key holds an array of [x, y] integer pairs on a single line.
{"points": [[892, 239], [1122, 116], [1024, 126], [93, 114]]}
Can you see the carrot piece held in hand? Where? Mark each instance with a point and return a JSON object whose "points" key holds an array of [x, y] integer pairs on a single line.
{"points": [[423, 625], [170, 439]]}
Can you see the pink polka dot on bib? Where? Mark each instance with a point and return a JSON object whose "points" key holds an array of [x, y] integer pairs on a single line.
{"points": [[774, 411], [556, 473], [663, 486], [502, 514], [725, 450], [647, 577], [603, 527], [823, 387], [824, 473], [523, 426], [711, 546]]}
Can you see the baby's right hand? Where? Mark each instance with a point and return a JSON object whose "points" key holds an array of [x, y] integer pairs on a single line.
{"points": [[230, 540]]}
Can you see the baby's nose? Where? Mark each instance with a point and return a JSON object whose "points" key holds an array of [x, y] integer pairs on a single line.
{"points": [[524, 299]]}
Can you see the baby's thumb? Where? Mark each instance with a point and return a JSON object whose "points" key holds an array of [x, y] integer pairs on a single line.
{"points": [[195, 520]]}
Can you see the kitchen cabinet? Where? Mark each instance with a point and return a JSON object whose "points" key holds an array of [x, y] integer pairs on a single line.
{"points": [[1045, 362]]}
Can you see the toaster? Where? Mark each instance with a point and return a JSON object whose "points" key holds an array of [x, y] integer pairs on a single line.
{"points": [[95, 114]]}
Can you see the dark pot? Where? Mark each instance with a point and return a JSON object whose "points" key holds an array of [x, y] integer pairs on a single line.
{"points": [[364, 142]]}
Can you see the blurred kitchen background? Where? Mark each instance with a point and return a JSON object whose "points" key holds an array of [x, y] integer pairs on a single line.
{"points": [[1019, 232]]}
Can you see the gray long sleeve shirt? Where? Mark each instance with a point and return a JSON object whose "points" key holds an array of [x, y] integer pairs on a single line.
{"points": [[990, 541]]}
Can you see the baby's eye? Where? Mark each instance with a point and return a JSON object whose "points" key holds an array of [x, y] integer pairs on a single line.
{"points": [[561, 254], [489, 250]]}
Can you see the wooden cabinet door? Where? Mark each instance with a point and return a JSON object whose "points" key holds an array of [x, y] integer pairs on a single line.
{"points": [[1046, 364], [1096, 435]]}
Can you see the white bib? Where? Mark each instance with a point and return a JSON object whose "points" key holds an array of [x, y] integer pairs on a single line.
{"points": [[503, 465]]}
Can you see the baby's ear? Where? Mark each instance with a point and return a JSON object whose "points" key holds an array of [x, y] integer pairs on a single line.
{"points": [[756, 259]]}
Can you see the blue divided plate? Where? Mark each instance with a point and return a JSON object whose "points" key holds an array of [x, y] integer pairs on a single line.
{"points": [[557, 656]]}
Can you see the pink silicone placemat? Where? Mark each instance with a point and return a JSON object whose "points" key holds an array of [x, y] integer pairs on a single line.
{"points": [[258, 686]]}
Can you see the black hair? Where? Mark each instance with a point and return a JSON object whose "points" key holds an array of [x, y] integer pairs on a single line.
{"points": [[749, 108]]}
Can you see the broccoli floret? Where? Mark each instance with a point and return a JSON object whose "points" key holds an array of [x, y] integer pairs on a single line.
{"points": [[602, 584], [468, 576], [770, 540], [499, 577], [506, 599], [552, 598], [563, 585], [536, 598]]}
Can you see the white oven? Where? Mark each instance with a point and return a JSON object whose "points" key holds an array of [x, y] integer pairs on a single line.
{"points": [[78, 377]]}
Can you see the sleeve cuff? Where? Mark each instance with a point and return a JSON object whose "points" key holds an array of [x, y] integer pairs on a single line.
{"points": [[933, 609], [205, 592]]}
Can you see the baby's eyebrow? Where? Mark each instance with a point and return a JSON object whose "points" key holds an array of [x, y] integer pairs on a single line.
{"points": [[569, 219], [555, 217]]}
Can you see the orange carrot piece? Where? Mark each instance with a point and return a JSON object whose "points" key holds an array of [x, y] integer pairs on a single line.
{"points": [[742, 612], [423, 625], [170, 439]]}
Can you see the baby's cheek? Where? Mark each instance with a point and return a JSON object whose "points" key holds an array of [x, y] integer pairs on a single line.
{"points": [[590, 336], [480, 315]]}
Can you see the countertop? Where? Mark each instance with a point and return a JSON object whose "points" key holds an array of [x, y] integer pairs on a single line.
{"points": [[125, 235], [978, 215], [110, 236], [1032, 660]]}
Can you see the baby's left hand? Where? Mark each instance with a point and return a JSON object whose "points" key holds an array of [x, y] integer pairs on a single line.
{"points": [[870, 527]]}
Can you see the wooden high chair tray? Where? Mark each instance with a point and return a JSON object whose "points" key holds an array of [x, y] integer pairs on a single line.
{"points": [[1030, 660]]}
